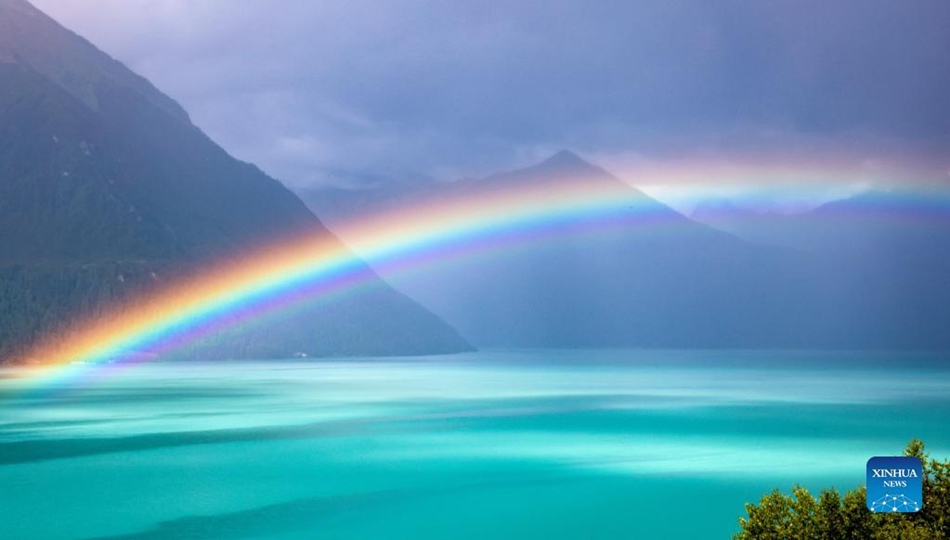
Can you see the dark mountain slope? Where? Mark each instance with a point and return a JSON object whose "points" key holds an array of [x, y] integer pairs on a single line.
{"points": [[107, 191], [29, 37]]}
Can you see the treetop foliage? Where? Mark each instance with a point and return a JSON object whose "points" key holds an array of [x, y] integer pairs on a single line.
{"points": [[833, 516]]}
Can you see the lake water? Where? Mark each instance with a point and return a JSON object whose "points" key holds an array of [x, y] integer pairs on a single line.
{"points": [[498, 444]]}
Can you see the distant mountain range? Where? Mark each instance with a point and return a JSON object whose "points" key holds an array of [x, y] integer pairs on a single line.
{"points": [[108, 190], [655, 278], [872, 221]]}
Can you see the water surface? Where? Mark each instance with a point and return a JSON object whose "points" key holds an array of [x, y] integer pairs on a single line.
{"points": [[498, 444]]}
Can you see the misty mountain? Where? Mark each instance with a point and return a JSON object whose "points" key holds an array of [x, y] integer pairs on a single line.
{"points": [[655, 278], [872, 221], [107, 190], [760, 227]]}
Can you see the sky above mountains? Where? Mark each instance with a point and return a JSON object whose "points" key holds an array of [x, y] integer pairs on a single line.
{"points": [[688, 99]]}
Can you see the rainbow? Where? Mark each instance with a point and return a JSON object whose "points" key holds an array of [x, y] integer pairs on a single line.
{"points": [[296, 270], [789, 178]]}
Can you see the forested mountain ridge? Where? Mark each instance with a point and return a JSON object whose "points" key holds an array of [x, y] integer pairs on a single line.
{"points": [[108, 191]]}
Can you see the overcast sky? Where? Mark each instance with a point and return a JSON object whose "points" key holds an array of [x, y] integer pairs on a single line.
{"points": [[357, 91]]}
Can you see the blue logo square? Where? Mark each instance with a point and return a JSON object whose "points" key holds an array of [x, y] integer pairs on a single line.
{"points": [[895, 484]]}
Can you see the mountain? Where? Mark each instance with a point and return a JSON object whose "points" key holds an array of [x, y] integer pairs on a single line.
{"points": [[107, 191], [651, 277], [881, 258], [759, 227], [644, 275], [900, 223], [887, 225]]}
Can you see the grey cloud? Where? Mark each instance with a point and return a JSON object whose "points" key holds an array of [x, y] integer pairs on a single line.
{"points": [[337, 91]]}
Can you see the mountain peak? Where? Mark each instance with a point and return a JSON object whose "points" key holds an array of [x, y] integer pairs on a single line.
{"points": [[565, 159]]}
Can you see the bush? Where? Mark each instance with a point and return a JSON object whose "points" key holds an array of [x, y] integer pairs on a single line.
{"points": [[800, 516]]}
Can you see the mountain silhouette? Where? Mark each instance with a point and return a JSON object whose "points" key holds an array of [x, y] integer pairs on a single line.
{"points": [[869, 221], [107, 191], [651, 277]]}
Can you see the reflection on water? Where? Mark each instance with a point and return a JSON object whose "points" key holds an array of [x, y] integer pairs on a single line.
{"points": [[528, 444]]}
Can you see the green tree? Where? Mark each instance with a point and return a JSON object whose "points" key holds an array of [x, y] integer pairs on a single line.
{"points": [[800, 516]]}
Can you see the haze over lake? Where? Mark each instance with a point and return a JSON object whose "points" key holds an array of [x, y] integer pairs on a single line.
{"points": [[500, 444]]}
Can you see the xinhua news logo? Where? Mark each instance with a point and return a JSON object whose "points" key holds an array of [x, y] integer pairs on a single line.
{"points": [[895, 484]]}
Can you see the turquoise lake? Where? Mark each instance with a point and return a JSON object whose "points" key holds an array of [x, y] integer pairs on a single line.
{"points": [[496, 444]]}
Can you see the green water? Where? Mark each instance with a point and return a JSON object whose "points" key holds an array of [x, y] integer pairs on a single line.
{"points": [[509, 444]]}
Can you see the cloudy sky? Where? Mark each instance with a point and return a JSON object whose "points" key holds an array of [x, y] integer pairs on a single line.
{"points": [[663, 92]]}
